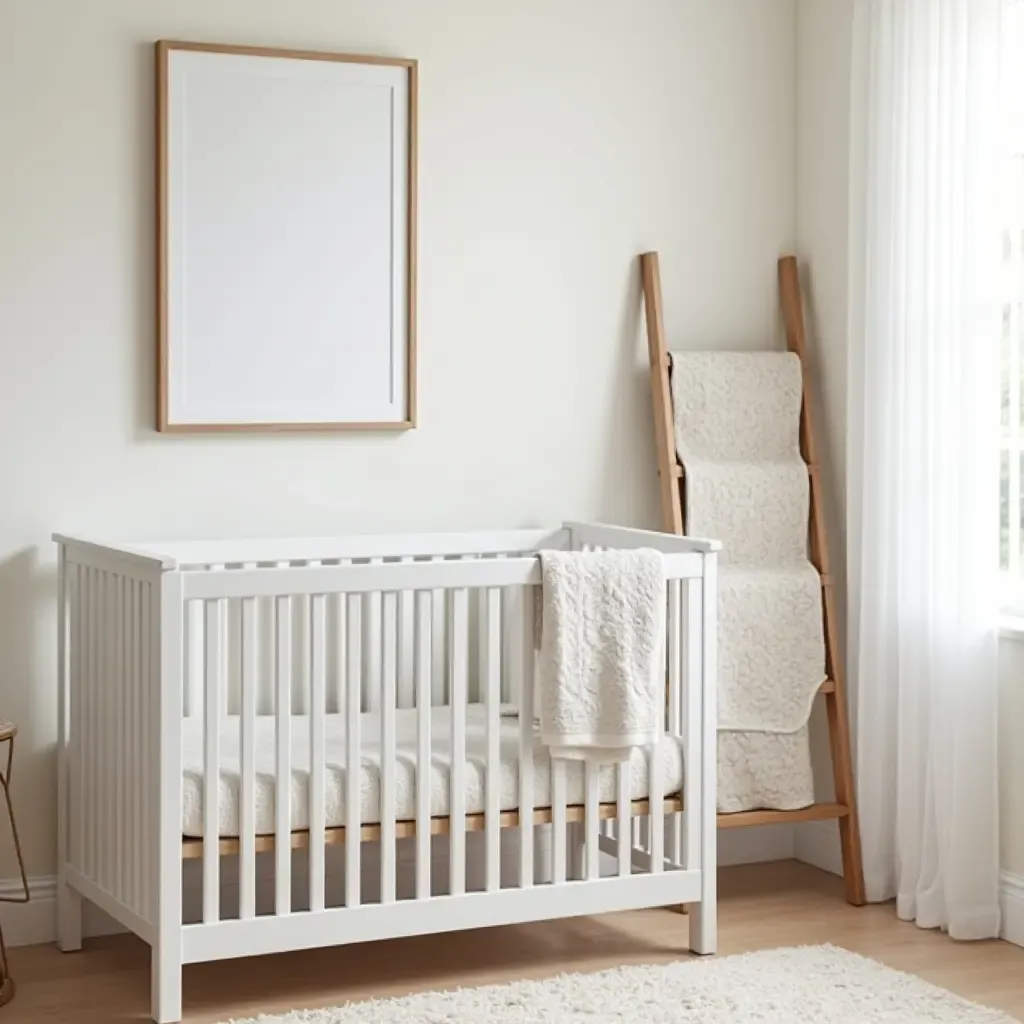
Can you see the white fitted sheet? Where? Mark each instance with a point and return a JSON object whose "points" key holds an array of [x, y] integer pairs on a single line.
{"points": [[405, 770]]}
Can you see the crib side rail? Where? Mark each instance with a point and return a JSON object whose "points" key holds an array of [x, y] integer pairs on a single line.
{"points": [[109, 738], [605, 536], [198, 554], [105, 554], [359, 579]]}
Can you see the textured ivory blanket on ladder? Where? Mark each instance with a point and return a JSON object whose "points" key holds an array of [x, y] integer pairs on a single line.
{"points": [[320, 714], [737, 422]]}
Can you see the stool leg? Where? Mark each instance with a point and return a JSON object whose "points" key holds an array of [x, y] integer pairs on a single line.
{"points": [[69, 918]]}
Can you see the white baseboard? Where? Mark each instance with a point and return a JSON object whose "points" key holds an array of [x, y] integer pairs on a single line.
{"points": [[1011, 903], [28, 924], [755, 845], [817, 844], [36, 921]]}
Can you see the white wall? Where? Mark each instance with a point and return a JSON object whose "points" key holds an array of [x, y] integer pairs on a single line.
{"points": [[559, 138], [1011, 746], [823, 60]]}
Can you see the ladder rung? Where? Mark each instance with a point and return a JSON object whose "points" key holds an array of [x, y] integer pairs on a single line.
{"points": [[816, 812], [829, 686]]}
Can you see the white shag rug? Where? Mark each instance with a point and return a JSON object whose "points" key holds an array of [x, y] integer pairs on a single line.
{"points": [[819, 984]]}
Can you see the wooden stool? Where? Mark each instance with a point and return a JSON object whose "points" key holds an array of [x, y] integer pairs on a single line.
{"points": [[8, 730]]}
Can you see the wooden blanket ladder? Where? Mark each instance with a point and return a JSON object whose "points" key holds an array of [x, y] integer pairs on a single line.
{"points": [[833, 691]]}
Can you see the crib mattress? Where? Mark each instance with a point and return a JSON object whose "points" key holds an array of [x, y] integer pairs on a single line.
{"points": [[405, 770]]}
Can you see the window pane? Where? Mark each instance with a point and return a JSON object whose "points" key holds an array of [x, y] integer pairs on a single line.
{"points": [[1017, 341], [1004, 353], [1004, 510], [1016, 562]]}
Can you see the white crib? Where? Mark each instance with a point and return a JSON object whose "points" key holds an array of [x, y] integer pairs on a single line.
{"points": [[298, 721]]}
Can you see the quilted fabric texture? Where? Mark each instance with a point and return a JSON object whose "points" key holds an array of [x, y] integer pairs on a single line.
{"points": [[737, 422], [600, 672], [669, 757]]}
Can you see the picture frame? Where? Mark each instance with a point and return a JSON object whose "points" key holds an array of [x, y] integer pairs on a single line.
{"points": [[286, 240]]}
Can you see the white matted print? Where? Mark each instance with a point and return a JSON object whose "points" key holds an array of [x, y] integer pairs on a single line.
{"points": [[286, 215]]}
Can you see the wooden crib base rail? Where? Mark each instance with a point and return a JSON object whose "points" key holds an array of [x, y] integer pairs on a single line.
{"points": [[192, 848]]}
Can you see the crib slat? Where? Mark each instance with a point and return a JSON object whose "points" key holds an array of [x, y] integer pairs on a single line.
{"points": [[211, 763], [459, 650], [123, 848], [491, 666], [100, 680], [624, 827], [341, 633], [692, 706], [141, 746], [113, 700], [439, 671], [135, 748], [372, 613], [703, 918], [593, 852], [387, 746], [115, 706], [317, 764], [92, 769], [558, 826], [424, 623], [247, 757], [83, 670], [353, 687], [149, 676], [98, 667], [76, 781], [104, 740], [674, 636], [131, 727], [195, 657], [522, 676], [406, 646], [674, 835], [657, 816], [506, 600], [283, 745]]}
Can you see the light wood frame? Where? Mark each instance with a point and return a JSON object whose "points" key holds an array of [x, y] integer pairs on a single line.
{"points": [[672, 493], [163, 422]]}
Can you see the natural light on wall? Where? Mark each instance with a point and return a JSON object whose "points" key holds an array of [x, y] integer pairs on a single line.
{"points": [[1012, 467]]}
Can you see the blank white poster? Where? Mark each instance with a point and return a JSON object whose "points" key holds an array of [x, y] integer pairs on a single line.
{"points": [[286, 204]]}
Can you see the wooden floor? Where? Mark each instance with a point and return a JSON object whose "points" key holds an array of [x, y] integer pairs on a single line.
{"points": [[762, 906]]}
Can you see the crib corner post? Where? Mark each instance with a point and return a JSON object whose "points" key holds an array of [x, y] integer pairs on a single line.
{"points": [[69, 902], [167, 653], [703, 916]]}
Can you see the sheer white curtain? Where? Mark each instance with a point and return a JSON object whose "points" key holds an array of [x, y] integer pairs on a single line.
{"points": [[923, 454]]}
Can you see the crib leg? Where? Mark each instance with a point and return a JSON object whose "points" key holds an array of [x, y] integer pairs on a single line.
{"points": [[703, 916], [69, 919], [165, 969]]}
